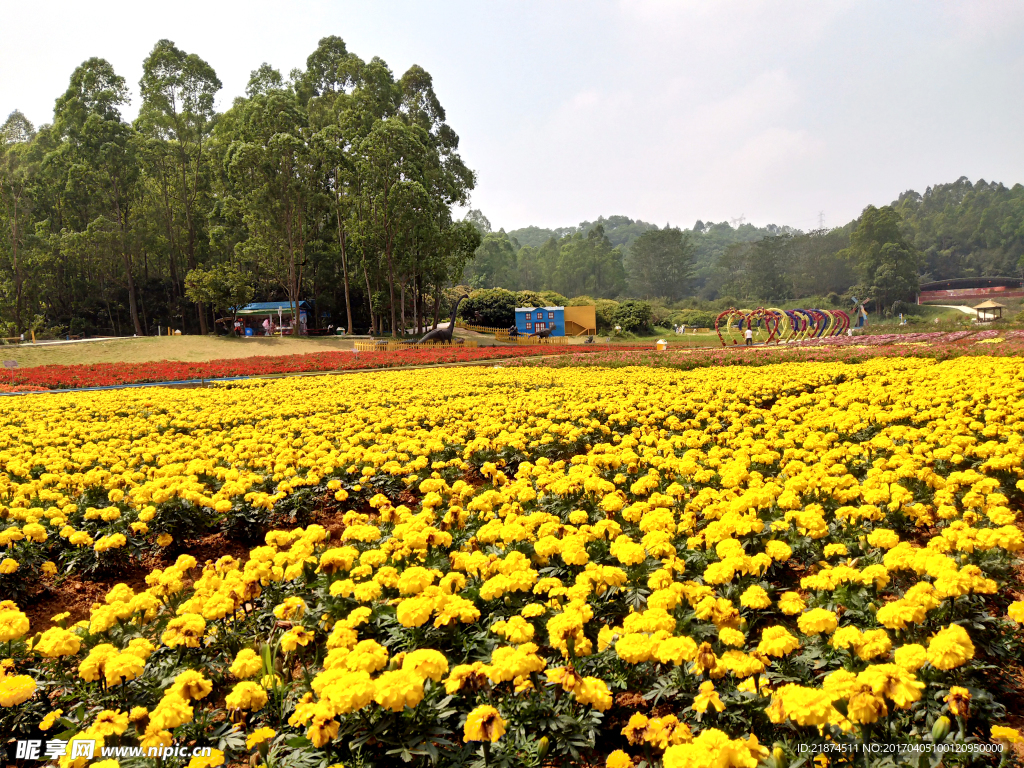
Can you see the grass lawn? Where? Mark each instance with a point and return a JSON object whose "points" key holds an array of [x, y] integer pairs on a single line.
{"points": [[151, 349]]}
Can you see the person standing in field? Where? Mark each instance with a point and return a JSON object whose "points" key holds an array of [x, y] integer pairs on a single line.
{"points": [[748, 336]]}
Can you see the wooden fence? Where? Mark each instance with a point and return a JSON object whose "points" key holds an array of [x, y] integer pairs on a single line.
{"points": [[480, 328], [393, 345], [530, 340]]}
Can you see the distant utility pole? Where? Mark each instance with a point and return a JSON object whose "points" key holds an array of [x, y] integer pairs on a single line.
{"points": [[821, 219]]}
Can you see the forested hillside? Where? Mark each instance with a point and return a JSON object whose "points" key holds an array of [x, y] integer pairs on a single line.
{"points": [[952, 230], [966, 230]]}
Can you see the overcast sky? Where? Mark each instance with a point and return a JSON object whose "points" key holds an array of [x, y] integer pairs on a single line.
{"points": [[663, 110]]}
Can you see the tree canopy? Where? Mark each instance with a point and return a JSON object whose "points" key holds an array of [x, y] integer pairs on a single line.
{"points": [[333, 185]]}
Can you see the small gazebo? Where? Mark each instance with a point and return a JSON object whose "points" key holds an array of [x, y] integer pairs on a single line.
{"points": [[989, 310]]}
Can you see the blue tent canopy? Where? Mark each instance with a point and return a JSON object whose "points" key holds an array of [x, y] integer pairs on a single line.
{"points": [[264, 308]]}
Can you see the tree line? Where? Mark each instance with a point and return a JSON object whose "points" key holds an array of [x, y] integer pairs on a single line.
{"points": [[334, 184], [952, 230], [337, 184]]}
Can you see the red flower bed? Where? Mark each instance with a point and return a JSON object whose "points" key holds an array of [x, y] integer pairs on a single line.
{"points": [[756, 356], [112, 374]]}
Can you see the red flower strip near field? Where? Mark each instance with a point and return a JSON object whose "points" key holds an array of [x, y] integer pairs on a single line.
{"points": [[687, 360], [112, 374]]}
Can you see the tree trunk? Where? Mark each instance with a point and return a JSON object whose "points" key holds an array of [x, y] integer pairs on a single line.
{"points": [[341, 244], [437, 305], [403, 308], [369, 300], [19, 281], [419, 304], [391, 288], [133, 303], [190, 241]]}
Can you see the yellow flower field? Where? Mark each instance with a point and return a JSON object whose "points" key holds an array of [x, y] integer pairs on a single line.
{"points": [[720, 567]]}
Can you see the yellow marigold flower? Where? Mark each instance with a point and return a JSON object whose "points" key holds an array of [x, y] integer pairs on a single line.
{"points": [[295, 637], [818, 620], [713, 747], [950, 648], [779, 551], [122, 667], [247, 664], [292, 609], [594, 692], [246, 695], [730, 636], [755, 597], [1009, 735], [191, 684], [164, 540], [91, 668], [911, 656], [635, 730], [790, 603], [612, 502], [215, 758], [113, 541], [847, 638], [16, 689], [51, 717], [804, 706], [398, 689], [259, 736], [141, 647], [663, 731], [56, 642], [883, 538], [322, 729], [777, 641], [874, 642], [13, 623], [515, 630], [677, 650], [866, 706], [707, 696], [8, 566], [426, 663], [187, 630], [111, 723], [154, 737], [1016, 611], [484, 724], [470, 676], [894, 682], [899, 613], [618, 759], [170, 712], [635, 649]]}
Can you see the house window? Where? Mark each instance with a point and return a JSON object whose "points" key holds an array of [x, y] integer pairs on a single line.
{"points": [[551, 315], [540, 315], [529, 326], [541, 326]]}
